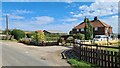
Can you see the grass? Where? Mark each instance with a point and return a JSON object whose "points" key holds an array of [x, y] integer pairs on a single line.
{"points": [[81, 64], [112, 49], [110, 42]]}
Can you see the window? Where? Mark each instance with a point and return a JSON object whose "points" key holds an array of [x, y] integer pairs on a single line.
{"points": [[77, 29], [82, 29], [96, 28], [106, 31]]}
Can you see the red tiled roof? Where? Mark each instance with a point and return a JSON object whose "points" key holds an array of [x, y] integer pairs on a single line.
{"points": [[96, 23], [39, 30]]}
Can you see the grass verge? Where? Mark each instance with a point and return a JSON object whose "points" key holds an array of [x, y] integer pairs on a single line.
{"points": [[81, 64]]}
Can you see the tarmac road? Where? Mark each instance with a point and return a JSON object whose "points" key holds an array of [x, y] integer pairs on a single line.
{"points": [[16, 57]]}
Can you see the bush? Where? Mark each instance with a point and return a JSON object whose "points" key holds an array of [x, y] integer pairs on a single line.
{"points": [[52, 37], [79, 36], [30, 35], [39, 37], [18, 34], [25, 40]]}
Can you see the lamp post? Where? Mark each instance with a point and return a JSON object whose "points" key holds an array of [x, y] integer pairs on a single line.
{"points": [[6, 27], [36, 37]]}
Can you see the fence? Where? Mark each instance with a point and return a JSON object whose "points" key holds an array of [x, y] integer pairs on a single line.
{"points": [[102, 58]]}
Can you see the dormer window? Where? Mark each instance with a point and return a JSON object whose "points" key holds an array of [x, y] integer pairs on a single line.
{"points": [[96, 28]]}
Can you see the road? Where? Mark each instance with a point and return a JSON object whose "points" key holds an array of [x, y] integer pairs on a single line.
{"points": [[15, 54], [14, 57]]}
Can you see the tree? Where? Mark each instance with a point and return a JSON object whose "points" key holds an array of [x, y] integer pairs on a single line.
{"points": [[88, 29], [39, 36], [18, 34]]}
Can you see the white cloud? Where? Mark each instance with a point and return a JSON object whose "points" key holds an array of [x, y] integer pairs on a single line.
{"points": [[68, 1], [83, 7], [1, 19], [107, 0], [16, 17], [69, 20], [66, 27], [21, 11], [71, 12], [13, 16], [113, 21], [44, 19], [97, 9]]}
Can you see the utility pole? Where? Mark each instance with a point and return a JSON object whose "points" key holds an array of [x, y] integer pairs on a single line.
{"points": [[6, 27]]}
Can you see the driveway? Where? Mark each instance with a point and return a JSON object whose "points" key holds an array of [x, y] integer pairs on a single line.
{"points": [[18, 54]]}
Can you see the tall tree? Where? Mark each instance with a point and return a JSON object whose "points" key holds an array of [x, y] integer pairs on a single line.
{"points": [[88, 29]]}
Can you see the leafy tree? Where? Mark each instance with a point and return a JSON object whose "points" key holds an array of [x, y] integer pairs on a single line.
{"points": [[18, 34], [88, 29], [39, 37]]}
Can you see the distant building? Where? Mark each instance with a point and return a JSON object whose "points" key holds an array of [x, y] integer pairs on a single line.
{"points": [[99, 28], [39, 31], [2, 36], [54, 32]]}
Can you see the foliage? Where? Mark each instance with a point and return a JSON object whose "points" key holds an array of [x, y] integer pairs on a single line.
{"points": [[52, 37], [39, 37], [30, 35], [70, 39], [88, 30], [79, 36], [18, 34], [9, 32], [25, 40], [80, 64]]}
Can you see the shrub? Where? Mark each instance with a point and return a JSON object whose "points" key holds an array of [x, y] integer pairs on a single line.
{"points": [[79, 36], [39, 37], [52, 37], [25, 40], [18, 34]]}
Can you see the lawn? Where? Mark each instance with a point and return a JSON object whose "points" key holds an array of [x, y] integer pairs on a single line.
{"points": [[81, 64]]}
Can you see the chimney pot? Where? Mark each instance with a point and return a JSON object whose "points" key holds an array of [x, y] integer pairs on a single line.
{"points": [[95, 18]]}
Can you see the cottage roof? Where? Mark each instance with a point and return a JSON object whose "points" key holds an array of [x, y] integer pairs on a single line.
{"points": [[94, 23]]}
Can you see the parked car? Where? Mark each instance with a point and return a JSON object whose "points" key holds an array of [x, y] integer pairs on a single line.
{"points": [[100, 38]]}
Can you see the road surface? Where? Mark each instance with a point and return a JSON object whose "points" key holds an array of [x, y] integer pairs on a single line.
{"points": [[17, 54]]}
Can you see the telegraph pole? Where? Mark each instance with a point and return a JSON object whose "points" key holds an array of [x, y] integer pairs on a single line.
{"points": [[6, 27]]}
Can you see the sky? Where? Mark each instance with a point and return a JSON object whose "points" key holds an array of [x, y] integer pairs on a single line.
{"points": [[61, 16]]}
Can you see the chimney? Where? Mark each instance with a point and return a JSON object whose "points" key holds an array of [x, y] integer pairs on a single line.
{"points": [[95, 18]]}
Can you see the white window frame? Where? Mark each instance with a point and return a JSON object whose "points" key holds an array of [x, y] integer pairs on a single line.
{"points": [[106, 31], [77, 30], [96, 28], [82, 29]]}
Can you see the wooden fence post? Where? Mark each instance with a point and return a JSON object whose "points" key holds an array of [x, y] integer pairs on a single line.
{"points": [[119, 56]]}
